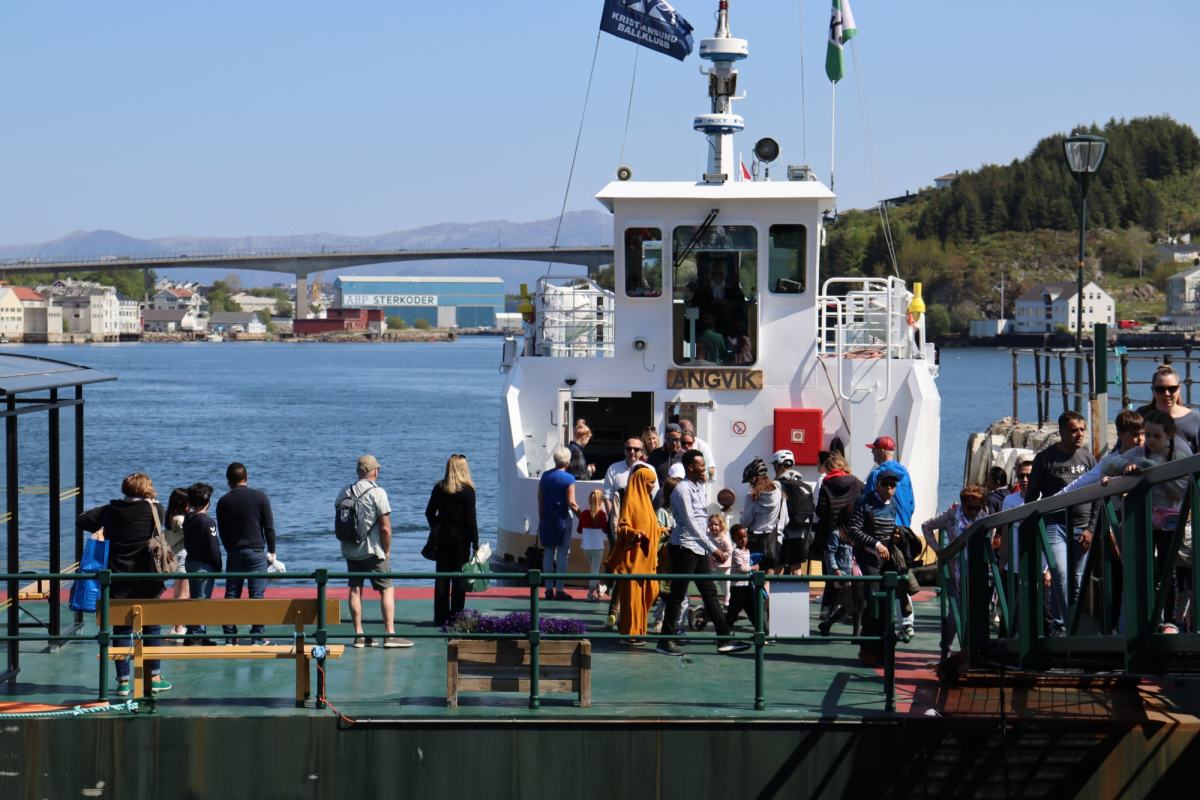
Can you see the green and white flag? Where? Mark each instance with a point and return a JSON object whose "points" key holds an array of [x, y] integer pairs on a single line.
{"points": [[841, 30]]}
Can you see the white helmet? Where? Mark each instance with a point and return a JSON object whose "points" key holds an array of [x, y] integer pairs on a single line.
{"points": [[784, 458]]}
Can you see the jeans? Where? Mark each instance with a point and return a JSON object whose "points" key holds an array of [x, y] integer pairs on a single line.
{"points": [[122, 638], [245, 560], [200, 589], [685, 562], [1067, 574], [555, 560]]}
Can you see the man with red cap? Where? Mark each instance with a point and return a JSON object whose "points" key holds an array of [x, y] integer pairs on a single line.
{"points": [[883, 450]]}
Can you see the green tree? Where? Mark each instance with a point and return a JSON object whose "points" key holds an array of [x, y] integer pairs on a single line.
{"points": [[422, 324], [284, 307], [220, 298], [396, 323], [264, 317], [937, 321]]}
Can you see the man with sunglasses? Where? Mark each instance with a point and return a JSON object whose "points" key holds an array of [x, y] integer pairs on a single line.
{"points": [[617, 478], [670, 463], [1168, 397]]}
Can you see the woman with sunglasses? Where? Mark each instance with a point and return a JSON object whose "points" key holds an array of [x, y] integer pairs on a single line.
{"points": [[1168, 397]]}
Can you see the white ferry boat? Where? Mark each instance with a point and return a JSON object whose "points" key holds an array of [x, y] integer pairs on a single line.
{"points": [[805, 361]]}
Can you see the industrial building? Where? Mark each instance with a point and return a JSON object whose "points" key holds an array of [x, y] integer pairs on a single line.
{"points": [[442, 302]]}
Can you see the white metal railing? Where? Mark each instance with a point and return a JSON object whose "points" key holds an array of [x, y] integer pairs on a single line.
{"points": [[868, 318], [574, 319]]}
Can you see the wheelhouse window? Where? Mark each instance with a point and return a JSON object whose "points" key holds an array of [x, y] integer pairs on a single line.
{"points": [[643, 262], [715, 295], [785, 269]]}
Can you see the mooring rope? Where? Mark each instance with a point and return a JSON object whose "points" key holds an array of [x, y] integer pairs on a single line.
{"points": [[74, 711]]}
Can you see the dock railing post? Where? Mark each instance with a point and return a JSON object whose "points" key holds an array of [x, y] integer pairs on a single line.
{"points": [[1037, 389], [758, 580], [889, 642], [1126, 401], [1016, 389], [1138, 580], [322, 578], [104, 635], [535, 635]]}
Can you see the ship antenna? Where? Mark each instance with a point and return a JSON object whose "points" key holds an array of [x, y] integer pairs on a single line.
{"points": [[719, 125]]}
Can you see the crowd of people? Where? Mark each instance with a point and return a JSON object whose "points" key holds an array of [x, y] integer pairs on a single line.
{"points": [[653, 515]]}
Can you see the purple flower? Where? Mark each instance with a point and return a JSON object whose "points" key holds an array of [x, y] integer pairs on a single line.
{"points": [[515, 622]]}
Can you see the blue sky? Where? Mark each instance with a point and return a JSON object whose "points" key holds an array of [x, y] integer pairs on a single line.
{"points": [[277, 117]]}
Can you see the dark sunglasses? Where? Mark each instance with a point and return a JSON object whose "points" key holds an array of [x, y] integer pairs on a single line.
{"points": [[1160, 389], [633, 449], [1023, 476]]}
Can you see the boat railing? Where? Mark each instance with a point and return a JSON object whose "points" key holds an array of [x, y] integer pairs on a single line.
{"points": [[574, 318], [1119, 617], [868, 318], [884, 595]]}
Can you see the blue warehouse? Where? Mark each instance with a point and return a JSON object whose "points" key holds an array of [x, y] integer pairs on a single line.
{"points": [[442, 302]]}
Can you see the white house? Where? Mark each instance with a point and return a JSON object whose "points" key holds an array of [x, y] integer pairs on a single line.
{"points": [[1044, 307], [42, 319], [12, 315], [236, 322], [1183, 293]]}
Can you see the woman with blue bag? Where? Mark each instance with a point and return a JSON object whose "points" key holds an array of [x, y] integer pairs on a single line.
{"points": [[129, 523]]}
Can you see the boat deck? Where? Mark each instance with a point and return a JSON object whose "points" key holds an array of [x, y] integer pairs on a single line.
{"points": [[822, 681]]}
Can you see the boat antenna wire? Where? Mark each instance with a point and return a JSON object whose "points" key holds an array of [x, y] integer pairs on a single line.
{"points": [[629, 106], [575, 154], [803, 96], [884, 221]]}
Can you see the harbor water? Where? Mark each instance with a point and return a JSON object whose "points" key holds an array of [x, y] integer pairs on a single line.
{"points": [[298, 415]]}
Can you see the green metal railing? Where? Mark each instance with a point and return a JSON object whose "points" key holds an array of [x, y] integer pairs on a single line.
{"points": [[533, 580], [1114, 620]]}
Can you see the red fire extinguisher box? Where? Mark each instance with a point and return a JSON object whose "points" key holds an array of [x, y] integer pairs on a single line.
{"points": [[800, 430]]}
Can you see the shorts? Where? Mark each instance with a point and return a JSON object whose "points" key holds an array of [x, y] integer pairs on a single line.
{"points": [[795, 551], [369, 564]]}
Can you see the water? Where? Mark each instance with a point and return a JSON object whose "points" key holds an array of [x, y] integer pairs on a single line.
{"points": [[299, 415]]}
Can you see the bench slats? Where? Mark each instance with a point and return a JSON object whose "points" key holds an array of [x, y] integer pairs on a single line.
{"points": [[263, 611], [224, 652]]}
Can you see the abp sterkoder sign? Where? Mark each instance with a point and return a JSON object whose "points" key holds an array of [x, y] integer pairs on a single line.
{"points": [[388, 300], [650, 23]]}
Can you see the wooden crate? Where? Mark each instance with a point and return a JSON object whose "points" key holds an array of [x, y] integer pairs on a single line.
{"points": [[480, 665]]}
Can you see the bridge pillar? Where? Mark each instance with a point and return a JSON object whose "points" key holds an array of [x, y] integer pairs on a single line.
{"points": [[302, 297]]}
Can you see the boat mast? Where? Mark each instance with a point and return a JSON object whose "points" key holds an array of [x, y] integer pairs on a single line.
{"points": [[721, 123]]}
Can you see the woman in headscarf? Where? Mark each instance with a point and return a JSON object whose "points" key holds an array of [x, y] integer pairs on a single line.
{"points": [[635, 552]]}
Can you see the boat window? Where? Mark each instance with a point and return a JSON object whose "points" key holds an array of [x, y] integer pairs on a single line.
{"points": [[643, 262], [715, 296], [785, 269]]}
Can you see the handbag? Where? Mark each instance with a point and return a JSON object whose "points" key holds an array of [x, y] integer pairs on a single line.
{"points": [[477, 566], [429, 551], [86, 591], [162, 557]]}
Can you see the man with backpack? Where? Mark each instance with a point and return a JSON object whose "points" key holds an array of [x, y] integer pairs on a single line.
{"points": [[799, 532], [363, 525]]}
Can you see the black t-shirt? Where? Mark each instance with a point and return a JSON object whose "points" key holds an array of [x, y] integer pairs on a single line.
{"points": [[200, 540], [1053, 470]]}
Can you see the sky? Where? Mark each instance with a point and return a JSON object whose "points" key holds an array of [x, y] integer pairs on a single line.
{"points": [[359, 117]]}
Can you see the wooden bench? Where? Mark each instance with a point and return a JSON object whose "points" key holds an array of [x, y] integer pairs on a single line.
{"points": [[39, 589], [295, 612], [482, 665]]}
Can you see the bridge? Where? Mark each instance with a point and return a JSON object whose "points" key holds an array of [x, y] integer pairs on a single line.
{"points": [[303, 263]]}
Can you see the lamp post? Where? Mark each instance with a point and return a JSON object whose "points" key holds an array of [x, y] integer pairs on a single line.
{"points": [[1085, 153]]}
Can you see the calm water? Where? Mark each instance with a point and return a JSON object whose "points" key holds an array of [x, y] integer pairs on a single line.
{"points": [[298, 416]]}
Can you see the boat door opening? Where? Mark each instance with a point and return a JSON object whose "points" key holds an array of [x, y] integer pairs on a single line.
{"points": [[613, 419]]}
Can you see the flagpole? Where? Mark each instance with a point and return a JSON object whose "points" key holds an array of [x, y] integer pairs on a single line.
{"points": [[832, 131]]}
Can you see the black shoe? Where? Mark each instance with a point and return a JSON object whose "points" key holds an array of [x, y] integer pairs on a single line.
{"points": [[824, 627], [668, 648], [232, 641]]}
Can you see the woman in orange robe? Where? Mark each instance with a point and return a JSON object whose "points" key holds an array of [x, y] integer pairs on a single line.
{"points": [[635, 552]]}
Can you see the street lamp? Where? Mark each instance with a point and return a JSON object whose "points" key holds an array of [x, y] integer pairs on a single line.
{"points": [[1085, 153]]}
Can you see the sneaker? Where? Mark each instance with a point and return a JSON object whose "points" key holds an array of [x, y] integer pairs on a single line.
{"points": [[668, 648], [611, 622], [259, 642], [733, 647], [561, 595], [824, 626], [160, 684], [396, 641], [122, 689], [359, 642], [1058, 633], [907, 633]]}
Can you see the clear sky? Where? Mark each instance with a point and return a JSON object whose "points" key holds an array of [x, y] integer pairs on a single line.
{"points": [[363, 116]]}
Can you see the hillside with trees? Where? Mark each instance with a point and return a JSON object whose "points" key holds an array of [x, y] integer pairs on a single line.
{"points": [[1017, 225]]}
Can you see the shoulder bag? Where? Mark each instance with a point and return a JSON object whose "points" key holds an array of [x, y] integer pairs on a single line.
{"points": [[162, 557]]}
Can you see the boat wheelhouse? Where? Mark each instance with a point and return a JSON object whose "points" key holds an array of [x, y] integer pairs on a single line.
{"points": [[717, 314]]}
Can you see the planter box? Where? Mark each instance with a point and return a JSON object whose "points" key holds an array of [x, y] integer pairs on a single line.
{"points": [[480, 665]]}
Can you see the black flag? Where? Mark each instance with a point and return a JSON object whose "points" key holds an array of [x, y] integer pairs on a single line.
{"points": [[650, 23]]}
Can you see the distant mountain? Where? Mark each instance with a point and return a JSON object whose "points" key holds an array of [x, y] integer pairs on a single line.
{"points": [[579, 228]]}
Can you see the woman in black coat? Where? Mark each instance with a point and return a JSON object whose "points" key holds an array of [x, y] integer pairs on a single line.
{"points": [[455, 535], [127, 524]]}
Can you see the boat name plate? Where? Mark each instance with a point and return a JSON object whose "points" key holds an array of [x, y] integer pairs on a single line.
{"points": [[747, 379]]}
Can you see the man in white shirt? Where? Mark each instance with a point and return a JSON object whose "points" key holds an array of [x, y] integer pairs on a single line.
{"points": [[690, 430], [617, 478]]}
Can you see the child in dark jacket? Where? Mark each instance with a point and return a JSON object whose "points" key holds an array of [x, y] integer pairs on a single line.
{"points": [[203, 549]]}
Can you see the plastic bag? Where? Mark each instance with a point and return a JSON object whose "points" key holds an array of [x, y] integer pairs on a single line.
{"points": [[85, 592], [478, 566]]}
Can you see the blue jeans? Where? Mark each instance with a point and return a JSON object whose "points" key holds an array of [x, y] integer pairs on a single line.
{"points": [[122, 638], [1067, 574], [201, 588], [245, 560], [555, 560]]}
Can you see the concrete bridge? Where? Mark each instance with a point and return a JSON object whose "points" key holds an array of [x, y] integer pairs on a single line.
{"points": [[303, 263]]}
